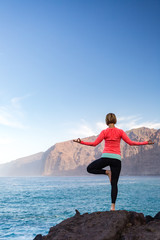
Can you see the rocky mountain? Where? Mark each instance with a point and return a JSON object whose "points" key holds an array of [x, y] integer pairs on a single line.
{"points": [[69, 158], [141, 160], [27, 166]]}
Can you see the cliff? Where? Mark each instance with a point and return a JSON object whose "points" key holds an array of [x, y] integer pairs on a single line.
{"points": [[109, 225], [69, 158], [141, 160], [26, 166]]}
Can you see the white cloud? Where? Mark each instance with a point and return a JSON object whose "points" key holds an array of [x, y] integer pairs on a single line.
{"points": [[16, 101], [11, 115], [155, 125], [130, 122], [9, 119], [82, 130], [101, 125], [125, 123]]}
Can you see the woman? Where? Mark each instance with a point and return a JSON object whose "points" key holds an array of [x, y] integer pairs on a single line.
{"points": [[111, 155]]}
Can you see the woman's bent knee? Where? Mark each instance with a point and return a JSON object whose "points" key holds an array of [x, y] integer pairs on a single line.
{"points": [[89, 169]]}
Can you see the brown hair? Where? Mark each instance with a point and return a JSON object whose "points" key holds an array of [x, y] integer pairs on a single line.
{"points": [[111, 118]]}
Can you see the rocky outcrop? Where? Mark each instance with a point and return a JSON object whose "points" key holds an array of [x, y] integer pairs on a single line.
{"points": [[109, 225], [69, 158]]}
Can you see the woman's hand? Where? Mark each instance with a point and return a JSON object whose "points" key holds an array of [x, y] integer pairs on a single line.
{"points": [[77, 140], [150, 142]]}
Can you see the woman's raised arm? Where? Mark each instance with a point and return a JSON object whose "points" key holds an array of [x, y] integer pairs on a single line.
{"points": [[132, 143], [98, 140]]}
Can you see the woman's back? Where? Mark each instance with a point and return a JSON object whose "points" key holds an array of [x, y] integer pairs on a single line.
{"points": [[112, 137]]}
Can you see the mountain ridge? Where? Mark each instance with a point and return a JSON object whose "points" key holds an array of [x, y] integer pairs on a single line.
{"points": [[69, 158]]}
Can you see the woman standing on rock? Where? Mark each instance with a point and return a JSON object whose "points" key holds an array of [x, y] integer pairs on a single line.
{"points": [[111, 155]]}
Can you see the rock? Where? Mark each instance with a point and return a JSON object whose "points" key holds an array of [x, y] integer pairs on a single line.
{"points": [[77, 213], [149, 231], [157, 216], [38, 237], [109, 225], [149, 218]]}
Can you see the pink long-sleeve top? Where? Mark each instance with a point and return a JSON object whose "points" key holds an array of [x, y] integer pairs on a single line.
{"points": [[112, 137]]}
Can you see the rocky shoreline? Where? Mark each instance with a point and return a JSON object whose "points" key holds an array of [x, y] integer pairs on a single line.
{"points": [[108, 225]]}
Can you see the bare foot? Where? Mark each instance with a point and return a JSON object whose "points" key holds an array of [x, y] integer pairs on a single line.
{"points": [[108, 172], [112, 207]]}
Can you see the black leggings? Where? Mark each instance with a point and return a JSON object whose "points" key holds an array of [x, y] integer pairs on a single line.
{"points": [[97, 166]]}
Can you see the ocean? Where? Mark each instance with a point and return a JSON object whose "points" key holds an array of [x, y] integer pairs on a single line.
{"points": [[31, 205]]}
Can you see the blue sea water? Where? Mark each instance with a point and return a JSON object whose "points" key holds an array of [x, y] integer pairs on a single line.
{"points": [[30, 206]]}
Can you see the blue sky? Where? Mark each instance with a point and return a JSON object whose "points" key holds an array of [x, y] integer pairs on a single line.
{"points": [[65, 64]]}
